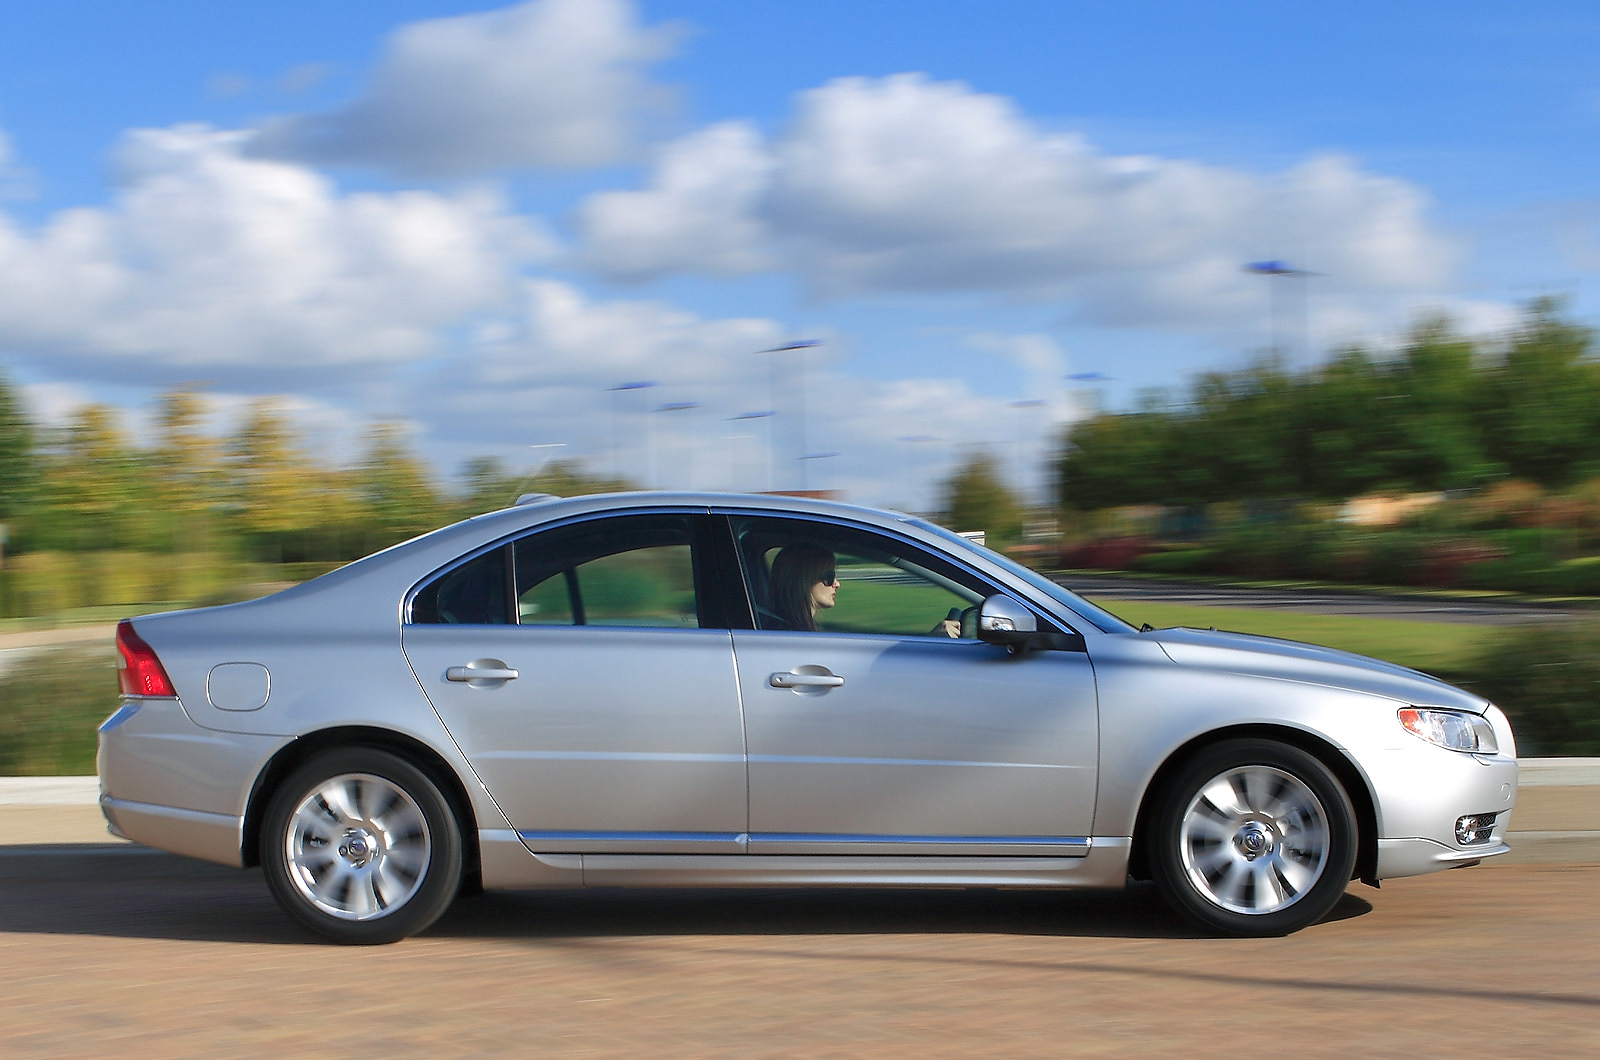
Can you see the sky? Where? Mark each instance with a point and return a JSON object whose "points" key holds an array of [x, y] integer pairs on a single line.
{"points": [[983, 220]]}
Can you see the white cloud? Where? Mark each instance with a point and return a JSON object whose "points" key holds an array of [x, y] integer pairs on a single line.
{"points": [[558, 336], [702, 212], [208, 260], [906, 184], [544, 83]]}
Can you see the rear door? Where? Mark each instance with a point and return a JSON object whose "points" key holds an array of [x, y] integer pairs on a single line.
{"points": [[587, 677]]}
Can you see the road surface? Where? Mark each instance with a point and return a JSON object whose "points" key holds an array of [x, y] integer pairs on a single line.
{"points": [[1493, 961]]}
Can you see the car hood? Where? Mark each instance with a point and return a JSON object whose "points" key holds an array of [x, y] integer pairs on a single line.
{"points": [[1289, 660]]}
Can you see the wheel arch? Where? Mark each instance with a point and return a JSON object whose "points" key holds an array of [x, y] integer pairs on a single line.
{"points": [[419, 754], [1354, 784]]}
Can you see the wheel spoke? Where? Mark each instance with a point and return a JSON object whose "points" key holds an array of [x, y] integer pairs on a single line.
{"points": [[1205, 830], [340, 800], [1268, 892], [1224, 797], [1258, 788], [1211, 863], [1298, 875], [1229, 888]]}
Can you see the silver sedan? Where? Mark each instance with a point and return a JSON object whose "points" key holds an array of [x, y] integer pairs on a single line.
{"points": [[711, 690]]}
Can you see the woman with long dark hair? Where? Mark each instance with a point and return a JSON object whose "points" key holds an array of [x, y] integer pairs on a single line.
{"points": [[804, 581]]}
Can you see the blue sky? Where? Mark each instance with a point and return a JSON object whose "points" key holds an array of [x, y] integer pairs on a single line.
{"points": [[476, 220]]}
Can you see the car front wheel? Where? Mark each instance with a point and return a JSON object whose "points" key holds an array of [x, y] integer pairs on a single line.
{"points": [[361, 846], [1253, 837]]}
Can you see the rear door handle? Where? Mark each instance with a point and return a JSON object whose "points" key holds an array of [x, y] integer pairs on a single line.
{"points": [[481, 673], [802, 680]]}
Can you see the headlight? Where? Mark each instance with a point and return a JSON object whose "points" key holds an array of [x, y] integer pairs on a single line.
{"points": [[1454, 729]]}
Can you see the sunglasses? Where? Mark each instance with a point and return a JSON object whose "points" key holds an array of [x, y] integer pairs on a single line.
{"points": [[830, 578]]}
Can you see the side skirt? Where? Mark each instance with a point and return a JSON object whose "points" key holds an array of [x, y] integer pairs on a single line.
{"points": [[508, 864]]}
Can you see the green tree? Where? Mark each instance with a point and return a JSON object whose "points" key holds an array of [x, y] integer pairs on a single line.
{"points": [[94, 489], [393, 488], [187, 471], [977, 498], [274, 490], [18, 462], [1543, 413]]}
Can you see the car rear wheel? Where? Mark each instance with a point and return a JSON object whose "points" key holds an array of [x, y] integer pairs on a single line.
{"points": [[1253, 837], [361, 846]]}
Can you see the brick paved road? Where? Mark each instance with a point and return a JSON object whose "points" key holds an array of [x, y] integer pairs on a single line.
{"points": [[1495, 961]]}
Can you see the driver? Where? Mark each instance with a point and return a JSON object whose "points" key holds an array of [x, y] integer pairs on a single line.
{"points": [[805, 580]]}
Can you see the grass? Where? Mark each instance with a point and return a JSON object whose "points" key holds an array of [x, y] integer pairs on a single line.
{"points": [[1444, 648]]}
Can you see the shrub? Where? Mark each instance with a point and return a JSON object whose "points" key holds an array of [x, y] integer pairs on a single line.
{"points": [[51, 703], [1112, 553], [1547, 680]]}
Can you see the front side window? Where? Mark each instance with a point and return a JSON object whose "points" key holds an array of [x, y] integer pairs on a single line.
{"points": [[816, 576]]}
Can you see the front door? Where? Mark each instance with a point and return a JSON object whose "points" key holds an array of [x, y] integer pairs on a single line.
{"points": [[876, 723]]}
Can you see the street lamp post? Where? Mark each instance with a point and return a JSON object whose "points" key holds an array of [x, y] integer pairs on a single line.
{"points": [[808, 457], [616, 451], [800, 394], [1024, 480], [913, 440], [764, 414], [1282, 271], [688, 454]]}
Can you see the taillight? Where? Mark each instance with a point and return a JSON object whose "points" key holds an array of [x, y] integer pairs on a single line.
{"points": [[139, 672]]}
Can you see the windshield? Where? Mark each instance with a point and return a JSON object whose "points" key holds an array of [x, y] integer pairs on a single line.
{"points": [[1098, 617]]}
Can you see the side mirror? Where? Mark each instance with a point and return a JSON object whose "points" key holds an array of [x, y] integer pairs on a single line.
{"points": [[1002, 620], [1005, 621]]}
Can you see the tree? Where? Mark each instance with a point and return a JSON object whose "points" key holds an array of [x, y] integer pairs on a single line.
{"points": [[18, 462], [274, 490], [1543, 413], [393, 488], [977, 498], [95, 488], [187, 471]]}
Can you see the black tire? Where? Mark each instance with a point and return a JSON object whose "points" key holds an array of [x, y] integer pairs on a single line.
{"points": [[361, 847], [1253, 838]]}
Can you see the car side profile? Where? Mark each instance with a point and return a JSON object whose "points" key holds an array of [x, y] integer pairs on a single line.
{"points": [[659, 689]]}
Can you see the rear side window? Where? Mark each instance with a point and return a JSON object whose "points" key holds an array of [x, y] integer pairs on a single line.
{"points": [[622, 571], [473, 594]]}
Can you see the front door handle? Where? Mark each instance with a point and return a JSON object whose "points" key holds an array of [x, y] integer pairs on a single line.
{"points": [[481, 673], [804, 679]]}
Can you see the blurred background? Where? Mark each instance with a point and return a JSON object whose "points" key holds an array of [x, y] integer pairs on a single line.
{"points": [[1279, 293]]}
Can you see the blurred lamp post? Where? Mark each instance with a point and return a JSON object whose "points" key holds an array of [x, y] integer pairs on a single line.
{"points": [[688, 449], [1024, 479], [764, 414], [616, 391], [807, 458], [1278, 272], [914, 440], [797, 347]]}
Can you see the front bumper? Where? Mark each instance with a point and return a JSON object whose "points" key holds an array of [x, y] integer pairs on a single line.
{"points": [[1423, 791]]}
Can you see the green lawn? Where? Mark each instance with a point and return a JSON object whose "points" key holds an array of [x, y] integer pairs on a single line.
{"points": [[1436, 647]]}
